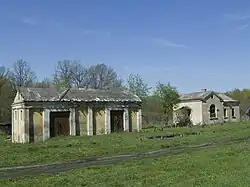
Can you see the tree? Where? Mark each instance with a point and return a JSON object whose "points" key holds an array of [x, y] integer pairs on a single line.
{"points": [[102, 77], [6, 98], [45, 83], [243, 96], [136, 85], [79, 75], [63, 76], [6, 95], [70, 73], [4, 73], [152, 110], [169, 98], [22, 75]]}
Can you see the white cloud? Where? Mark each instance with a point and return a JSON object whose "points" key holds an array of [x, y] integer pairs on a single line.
{"points": [[237, 17], [241, 19], [242, 27], [29, 21], [166, 43]]}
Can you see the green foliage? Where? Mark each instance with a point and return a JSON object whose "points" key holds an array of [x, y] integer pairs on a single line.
{"points": [[151, 110], [71, 73], [6, 98], [243, 96], [169, 98], [136, 85], [6, 95], [4, 73], [182, 117]]}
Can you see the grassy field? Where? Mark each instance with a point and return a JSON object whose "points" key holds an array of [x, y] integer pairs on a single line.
{"points": [[68, 148], [225, 165], [222, 166]]}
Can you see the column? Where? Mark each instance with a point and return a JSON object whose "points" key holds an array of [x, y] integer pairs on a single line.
{"points": [[126, 119], [139, 120], [90, 122], [26, 125], [72, 119], [107, 121], [82, 122], [13, 128], [46, 124]]}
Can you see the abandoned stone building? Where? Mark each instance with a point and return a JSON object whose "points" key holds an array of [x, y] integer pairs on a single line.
{"points": [[41, 113], [208, 107]]}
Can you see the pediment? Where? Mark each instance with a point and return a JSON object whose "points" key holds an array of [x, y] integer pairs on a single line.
{"points": [[18, 98]]}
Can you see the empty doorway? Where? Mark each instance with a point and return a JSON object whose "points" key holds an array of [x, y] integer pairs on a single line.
{"points": [[116, 120], [59, 124]]}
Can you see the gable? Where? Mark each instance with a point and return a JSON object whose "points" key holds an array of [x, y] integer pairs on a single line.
{"points": [[213, 97], [18, 98]]}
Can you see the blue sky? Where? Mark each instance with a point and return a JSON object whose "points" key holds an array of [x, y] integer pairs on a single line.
{"points": [[192, 44]]}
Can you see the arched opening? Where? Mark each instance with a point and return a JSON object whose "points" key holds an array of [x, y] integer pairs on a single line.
{"points": [[183, 116], [21, 115], [186, 111], [212, 111]]}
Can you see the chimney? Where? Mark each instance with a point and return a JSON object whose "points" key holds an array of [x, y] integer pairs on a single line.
{"points": [[204, 90]]}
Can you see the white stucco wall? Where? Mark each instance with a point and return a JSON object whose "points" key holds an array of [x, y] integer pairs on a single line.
{"points": [[196, 110], [18, 120], [200, 111]]}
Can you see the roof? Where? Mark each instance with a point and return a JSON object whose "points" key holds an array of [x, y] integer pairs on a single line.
{"points": [[203, 95], [76, 94]]}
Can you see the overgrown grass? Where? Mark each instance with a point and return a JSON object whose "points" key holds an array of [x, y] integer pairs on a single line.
{"points": [[67, 148], [220, 166]]}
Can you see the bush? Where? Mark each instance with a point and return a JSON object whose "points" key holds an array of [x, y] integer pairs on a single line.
{"points": [[182, 118], [183, 121]]}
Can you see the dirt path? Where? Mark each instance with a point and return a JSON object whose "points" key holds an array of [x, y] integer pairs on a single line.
{"points": [[13, 172]]}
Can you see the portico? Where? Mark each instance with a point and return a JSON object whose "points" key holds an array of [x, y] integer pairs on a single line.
{"points": [[73, 114]]}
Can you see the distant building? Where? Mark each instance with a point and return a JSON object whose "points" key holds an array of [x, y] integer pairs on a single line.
{"points": [[209, 107], [42, 113]]}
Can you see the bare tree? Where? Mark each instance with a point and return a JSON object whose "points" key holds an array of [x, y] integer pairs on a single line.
{"points": [[63, 74], [45, 83], [22, 75], [79, 75], [70, 73], [101, 76]]}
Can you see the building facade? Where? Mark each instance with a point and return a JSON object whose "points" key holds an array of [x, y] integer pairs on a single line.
{"points": [[42, 113], [209, 107]]}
